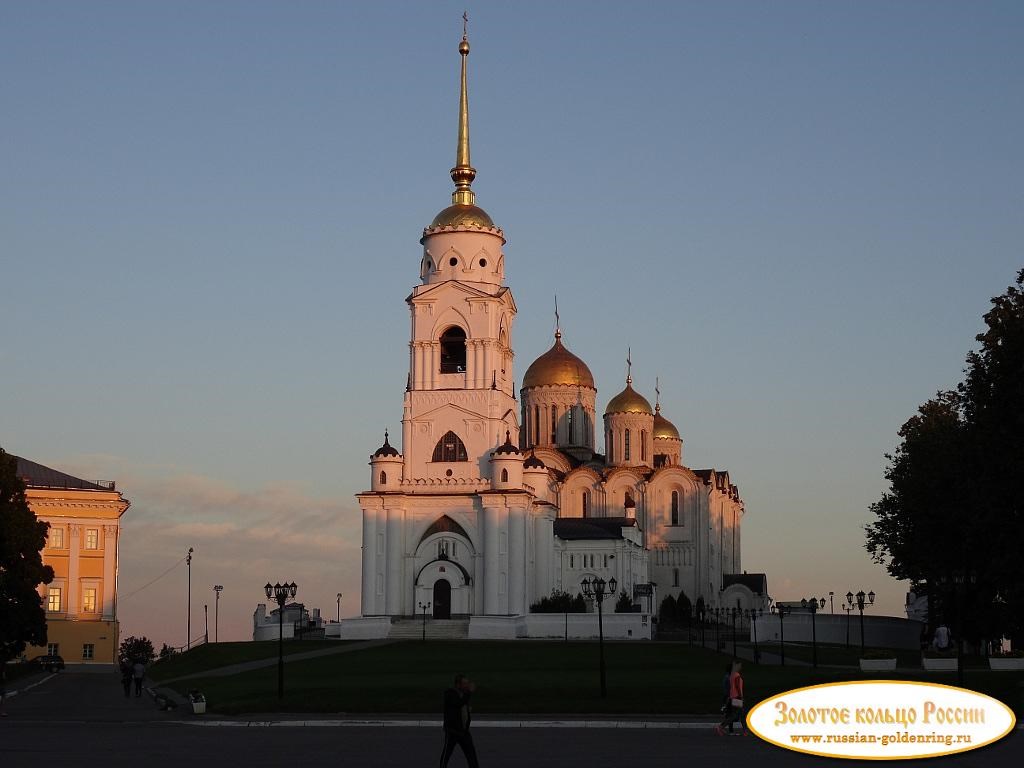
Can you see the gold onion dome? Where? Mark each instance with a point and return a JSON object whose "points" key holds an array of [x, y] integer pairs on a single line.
{"points": [[629, 401], [558, 366], [462, 216], [663, 428]]}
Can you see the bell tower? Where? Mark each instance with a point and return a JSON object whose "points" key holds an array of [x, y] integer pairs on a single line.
{"points": [[459, 400]]}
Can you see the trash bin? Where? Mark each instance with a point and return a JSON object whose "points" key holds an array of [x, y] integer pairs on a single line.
{"points": [[198, 702]]}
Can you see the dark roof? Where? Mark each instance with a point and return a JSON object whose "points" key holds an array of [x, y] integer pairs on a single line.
{"points": [[507, 447], [533, 462], [37, 476], [387, 449], [755, 582], [575, 528]]}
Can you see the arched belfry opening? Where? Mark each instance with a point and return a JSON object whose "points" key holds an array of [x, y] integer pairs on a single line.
{"points": [[453, 350], [450, 448]]}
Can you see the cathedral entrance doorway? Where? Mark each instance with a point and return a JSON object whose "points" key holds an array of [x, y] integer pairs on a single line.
{"points": [[442, 599]]}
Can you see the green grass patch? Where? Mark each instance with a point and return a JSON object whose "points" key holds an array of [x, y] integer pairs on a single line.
{"points": [[210, 656], [529, 677]]}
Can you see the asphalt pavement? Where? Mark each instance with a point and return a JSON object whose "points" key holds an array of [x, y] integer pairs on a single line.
{"points": [[76, 719]]}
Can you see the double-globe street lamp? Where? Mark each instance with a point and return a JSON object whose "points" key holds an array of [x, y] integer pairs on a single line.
{"points": [[782, 610], [425, 607], [812, 605], [858, 601], [752, 615], [595, 588], [280, 593]]}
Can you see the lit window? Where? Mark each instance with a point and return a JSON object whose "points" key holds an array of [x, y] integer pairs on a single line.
{"points": [[53, 600], [625, 451], [53, 649], [92, 538], [56, 538], [87, 650], [89, 600], [675, 507], [450, 448]]}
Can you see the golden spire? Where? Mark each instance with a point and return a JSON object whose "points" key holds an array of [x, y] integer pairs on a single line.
{"points": [[463, 173], [629, 367], [657, 394]]}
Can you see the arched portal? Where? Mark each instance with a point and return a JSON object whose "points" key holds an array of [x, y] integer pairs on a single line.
{"points": [[442, 599]]}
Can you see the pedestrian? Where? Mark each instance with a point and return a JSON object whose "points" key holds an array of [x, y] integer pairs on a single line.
{"points": [[457, 717], [126, 678], [941, 639], [138, 673], [735, 711], [726, 679]]}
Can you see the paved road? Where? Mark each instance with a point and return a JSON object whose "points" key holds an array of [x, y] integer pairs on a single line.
{"points": [[77, 719]]}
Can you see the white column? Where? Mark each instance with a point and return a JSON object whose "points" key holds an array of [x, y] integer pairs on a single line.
{"points": [[72, 586], [395, 565], [417, 366], [474, 376], [367, 605], [491, 526], [517, 561], [541, 558], [109, 571]]}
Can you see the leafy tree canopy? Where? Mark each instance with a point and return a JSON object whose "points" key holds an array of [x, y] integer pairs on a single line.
{"points": [[135, 649], [22, 537]]}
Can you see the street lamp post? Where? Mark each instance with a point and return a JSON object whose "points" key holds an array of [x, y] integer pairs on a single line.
{"points": [[781, 610], [596, 589], [280, 593], [339, 607], [812, 605], [859, 597], [753, 614], [188, 620], [831, 605], [424, 607], [206, 622], [216, 613], [847, 608]]}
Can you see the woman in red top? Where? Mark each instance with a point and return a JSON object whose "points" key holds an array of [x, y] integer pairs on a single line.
{"points": [[735, 710]]}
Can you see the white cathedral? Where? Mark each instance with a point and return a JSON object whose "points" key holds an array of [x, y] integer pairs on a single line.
{"points": [[493, 502]]}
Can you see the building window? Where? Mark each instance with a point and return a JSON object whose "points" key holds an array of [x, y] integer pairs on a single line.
{"points": [[87, 651], [608, 445], [53, 649], [504, 475], [586, 503], [625, 450], [571, 562], [643, 445], [92, 538], [536, 424], [675, 577], [383, 478], [53, 600], [56, 538], [569, 423], [453, 350], [89, 600], [606, 561], [450, 448], [675, 507], [554, 424]]}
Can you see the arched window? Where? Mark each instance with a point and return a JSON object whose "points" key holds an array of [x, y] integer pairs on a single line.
{"points": [[586, 503], [450, 448], [629, 505], [453, 350], [675, 507], [608, 445], [569, 421], [643, 445], [554, 424], [383, 477], [504, 475], [536, 424], [625, 451]]}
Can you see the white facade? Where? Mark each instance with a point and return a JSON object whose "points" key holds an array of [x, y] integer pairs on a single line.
{"points": [[494, 502]]}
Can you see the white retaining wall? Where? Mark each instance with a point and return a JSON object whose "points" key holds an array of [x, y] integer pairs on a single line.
{"points": [[879, 631], [579, 626]]}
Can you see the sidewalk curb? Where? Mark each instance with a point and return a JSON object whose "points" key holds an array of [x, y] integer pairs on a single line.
{"points": [[12, 694]]}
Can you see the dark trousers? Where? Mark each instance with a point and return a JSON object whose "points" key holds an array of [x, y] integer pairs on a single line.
{"points": [[138, 686], [126, 683], [732, 715], [462, 739]]}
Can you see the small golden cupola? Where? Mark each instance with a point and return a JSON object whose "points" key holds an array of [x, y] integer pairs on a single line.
{"points": [[668, 445], [629, 426]]}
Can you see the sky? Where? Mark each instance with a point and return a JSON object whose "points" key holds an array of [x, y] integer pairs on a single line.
{"points": [[795, 214]]}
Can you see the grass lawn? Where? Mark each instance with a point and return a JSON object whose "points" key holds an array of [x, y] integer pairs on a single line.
{"points": [[213, 655], [529, 677]]}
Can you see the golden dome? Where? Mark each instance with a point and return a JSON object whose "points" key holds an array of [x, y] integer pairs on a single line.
{"points": [[629, 401], [663, 428], [558, 366], [460, 215]]}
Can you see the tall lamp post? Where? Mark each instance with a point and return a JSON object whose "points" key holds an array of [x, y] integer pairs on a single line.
{"points": [[339, 607], [206, 622], [188, 620], [781, 610], [280, 593], [859, 598], [847, 608], [752, 615], [812, 605], [831, 605], [596, 589], [424, 607], [216, 612]]}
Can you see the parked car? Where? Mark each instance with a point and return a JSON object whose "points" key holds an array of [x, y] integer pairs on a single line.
{"points": [[52, 663]]}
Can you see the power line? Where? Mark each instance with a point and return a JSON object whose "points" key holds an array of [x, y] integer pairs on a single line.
{"points": [[154, 581]]}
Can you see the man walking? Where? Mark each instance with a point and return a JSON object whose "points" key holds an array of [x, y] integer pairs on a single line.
{"points": [[138, 673], [457, 717]]}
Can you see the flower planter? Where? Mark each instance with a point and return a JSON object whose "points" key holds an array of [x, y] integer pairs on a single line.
{"points": [[877, 665], [199, 707], [939, 664], [1006, 663]]}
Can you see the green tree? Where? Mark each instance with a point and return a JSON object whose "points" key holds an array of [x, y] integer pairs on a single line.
{"points": [[22, 537], [134, 649], [667, 612], [623, 604]]}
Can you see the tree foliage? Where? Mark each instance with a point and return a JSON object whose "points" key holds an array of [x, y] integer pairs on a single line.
{"points": [[954, 510], [560, 602], [22, 537], [667, 611], [624, 604], [135, 649]]}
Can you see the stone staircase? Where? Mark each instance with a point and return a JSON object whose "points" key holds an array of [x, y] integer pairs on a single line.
{"points": [[437, 629]]}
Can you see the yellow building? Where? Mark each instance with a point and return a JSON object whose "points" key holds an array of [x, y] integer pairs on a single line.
{"points": [[85, 525]]}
